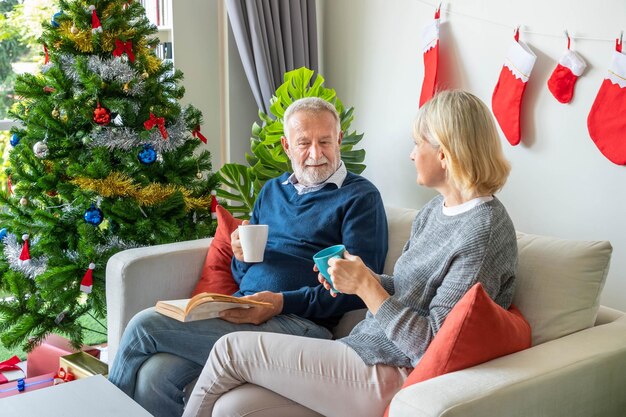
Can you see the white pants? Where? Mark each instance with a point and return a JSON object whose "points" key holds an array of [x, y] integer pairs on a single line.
{"points": [[292, 375]]}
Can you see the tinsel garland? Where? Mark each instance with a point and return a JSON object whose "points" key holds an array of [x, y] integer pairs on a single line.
{"points": [[120, 185], [82, 39], [112, 242], [109, 69], [127, 139], [12, 250]]}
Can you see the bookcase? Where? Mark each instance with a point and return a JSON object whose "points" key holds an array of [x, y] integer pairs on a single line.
{"points": [[159, 12]]}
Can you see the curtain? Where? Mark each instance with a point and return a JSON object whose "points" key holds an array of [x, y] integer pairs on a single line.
{"points": [[273, 37]]}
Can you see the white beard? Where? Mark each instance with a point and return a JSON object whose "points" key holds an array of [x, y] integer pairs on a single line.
{"points": [[309, 175]]}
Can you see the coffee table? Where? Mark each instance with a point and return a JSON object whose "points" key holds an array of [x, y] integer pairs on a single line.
{"points": [[94, 396]]}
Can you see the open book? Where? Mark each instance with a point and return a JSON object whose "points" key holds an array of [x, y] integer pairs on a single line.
{"points": [[203, 306]]}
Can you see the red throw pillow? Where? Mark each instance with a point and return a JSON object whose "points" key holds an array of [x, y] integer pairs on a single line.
{"points": [[216, 274], [476, 330]]}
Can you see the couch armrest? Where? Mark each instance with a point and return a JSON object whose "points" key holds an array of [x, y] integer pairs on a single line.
{"points": [[137, 278], [578, 375]]}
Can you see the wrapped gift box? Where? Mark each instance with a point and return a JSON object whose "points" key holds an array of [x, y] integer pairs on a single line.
{"points": [[45, 358], [10, 371], [22, 386], [82, 365]]}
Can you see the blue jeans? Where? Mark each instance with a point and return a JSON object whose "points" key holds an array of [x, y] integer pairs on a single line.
{"points": [[189, 344]]}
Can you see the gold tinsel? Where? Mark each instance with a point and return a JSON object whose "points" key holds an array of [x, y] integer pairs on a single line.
{"points": [[120, 185], [82, 39], [152, 63]]}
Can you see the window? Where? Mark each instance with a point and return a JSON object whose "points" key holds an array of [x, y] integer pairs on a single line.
{"points": [[19, 53]]}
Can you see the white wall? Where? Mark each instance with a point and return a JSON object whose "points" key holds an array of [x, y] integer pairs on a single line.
{"points": [[561, 185], [196, 45]]}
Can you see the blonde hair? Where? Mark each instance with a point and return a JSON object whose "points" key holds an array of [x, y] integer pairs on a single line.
{"points": [[462, 126]]}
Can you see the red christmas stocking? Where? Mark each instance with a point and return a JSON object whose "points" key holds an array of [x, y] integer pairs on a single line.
{"points": [[561, 82], [506, 101], [607, 118], [430, 46]]}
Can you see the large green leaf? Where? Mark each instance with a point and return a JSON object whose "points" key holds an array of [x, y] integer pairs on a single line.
{"points": [[268, 159]]}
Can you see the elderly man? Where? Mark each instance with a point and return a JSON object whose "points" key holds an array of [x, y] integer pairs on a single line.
{"points": [[319, 205]]}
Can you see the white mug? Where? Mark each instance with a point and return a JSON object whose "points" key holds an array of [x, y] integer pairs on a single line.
{"points": [[253, 239]]}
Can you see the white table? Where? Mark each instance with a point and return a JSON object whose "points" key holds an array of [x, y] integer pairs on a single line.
{"points": [[94, 396]]}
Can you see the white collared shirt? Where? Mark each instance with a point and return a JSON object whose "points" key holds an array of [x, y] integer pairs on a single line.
{"points": [[337, 178]]}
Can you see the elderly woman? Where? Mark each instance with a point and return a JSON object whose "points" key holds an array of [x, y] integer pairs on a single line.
{"points": [[461, 237]]}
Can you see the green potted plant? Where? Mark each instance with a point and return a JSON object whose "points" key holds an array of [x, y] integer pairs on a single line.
{"points": [[241, 184]]}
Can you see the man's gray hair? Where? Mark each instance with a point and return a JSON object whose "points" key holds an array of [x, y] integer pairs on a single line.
{"points": [[311, 105]]}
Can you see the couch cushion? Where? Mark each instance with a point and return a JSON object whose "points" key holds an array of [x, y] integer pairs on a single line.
{"points": [[475, 331], [399, 221], [216, 274], [559, 283]]}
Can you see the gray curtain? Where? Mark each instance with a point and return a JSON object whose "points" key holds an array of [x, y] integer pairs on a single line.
{"points": [[273, 37]]}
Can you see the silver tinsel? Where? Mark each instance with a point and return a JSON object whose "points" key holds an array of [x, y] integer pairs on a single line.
{"points": [[115, 242], [112, 242], [109, 69], [127, 139], [12, 251]]}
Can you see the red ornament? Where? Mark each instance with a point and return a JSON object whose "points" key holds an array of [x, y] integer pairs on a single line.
{"points": [[95, 22], [101, 116], [24, 259], [63, 376], [87, 283], [48, 89], [214, 205], [45, 50]]}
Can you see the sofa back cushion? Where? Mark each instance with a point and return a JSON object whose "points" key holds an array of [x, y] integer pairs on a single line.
{"points": [[559, 283], [399, 221]]}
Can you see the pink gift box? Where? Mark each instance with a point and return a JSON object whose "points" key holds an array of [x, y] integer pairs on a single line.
{"points": [[29, 384], [45, 358]]}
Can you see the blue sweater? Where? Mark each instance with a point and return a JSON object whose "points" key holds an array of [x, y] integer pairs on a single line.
{"points": [[302, 225]]}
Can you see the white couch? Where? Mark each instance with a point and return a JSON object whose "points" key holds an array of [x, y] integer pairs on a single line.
{"points": [[576, 367]]}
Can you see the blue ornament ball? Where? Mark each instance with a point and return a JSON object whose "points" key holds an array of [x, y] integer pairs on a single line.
{"points": [[94, 215], [148, 155], [54, 19], [3, 233], [15, 139]]}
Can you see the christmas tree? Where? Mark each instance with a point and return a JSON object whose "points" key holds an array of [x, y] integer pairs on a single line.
{"points": [[105, 160]]}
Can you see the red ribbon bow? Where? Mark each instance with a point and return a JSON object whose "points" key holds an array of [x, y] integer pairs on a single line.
{"points": [[156, 121], [196, 134], [9, 365], [124, 47], [45, 50]]}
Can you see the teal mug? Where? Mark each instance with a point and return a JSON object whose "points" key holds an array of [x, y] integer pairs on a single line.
{"points": [[322, 257]]}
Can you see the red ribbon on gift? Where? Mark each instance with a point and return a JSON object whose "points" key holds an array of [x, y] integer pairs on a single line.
{"points": [[124, 48], [156, 121], [9, 365], [196, 134]]}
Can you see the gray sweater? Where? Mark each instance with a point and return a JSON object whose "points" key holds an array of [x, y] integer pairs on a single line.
{"points": [[444, 257]]}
